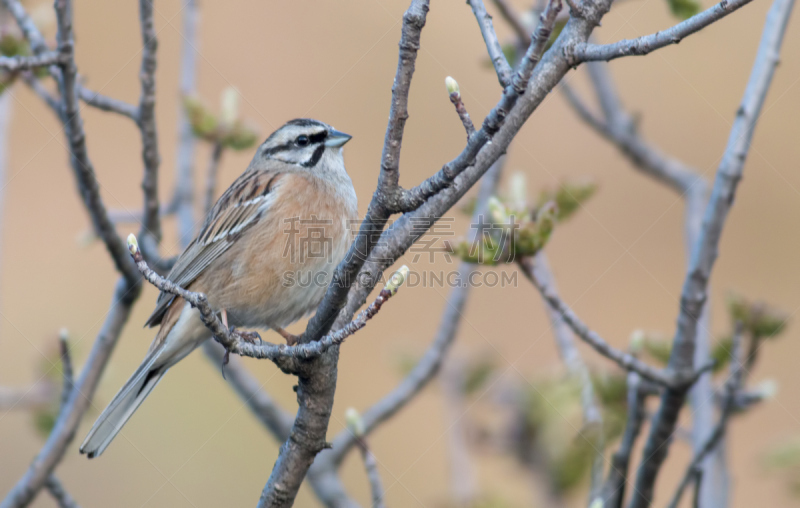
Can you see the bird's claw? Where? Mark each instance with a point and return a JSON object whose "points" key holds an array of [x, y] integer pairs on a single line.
{"points": [[250, 337]]}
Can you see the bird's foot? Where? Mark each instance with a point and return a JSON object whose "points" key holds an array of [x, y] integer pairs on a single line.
{"points": [[291, 339], [250, 337]]}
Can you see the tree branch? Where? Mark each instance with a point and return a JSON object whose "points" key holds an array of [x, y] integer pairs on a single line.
{"points": [[59, 493], [587, 52], [235, 343], [565, 341], [151, 223], [413, 198], [430, 363], [501, 66], [374, 477], [184, 177], [625, 360], [732, 387], [20, 63], [105, 103], [79, 400], [614, 487], [381, 206], [705, 250], [79, 158], [513, 20]]}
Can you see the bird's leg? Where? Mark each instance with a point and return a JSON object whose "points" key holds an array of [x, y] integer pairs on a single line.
{"points": [[250, 337], [291, 339]]}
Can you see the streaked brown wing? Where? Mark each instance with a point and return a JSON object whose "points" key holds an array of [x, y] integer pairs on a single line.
{"points": [[238, 209]]}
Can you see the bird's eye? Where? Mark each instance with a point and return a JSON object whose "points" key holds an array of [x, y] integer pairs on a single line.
{"points": [[302, 140]]}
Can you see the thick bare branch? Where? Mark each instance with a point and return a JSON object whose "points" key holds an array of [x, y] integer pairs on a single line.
{"points": [[586, 52], [382, 204], [413, 198], [732, 387], [705, 250], [431, 361], [501, 66]]}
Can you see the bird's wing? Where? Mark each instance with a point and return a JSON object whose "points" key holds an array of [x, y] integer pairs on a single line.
{"points": [[239, 208]]}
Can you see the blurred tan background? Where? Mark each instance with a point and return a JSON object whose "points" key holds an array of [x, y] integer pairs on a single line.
{"points": [[619, 262]]}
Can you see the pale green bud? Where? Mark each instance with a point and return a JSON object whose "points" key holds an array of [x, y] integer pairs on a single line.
{"points": [[497, 211], [518, 190], [63, 334], [229, 111], [596, 503], [133, 244], [637, 340], [354, 422], [452, 85], [397, 280]]}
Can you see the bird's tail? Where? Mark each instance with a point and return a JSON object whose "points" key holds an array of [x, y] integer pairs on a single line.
{"points": [[124, 404]]}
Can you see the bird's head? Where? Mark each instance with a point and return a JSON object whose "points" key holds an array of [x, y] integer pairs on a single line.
{"points": [[304, 143]]}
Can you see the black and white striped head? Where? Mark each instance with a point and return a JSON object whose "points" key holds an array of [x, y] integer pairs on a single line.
{"points": [[303, 142]]}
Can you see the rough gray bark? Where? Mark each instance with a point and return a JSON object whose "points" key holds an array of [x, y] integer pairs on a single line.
{"points": [[705, 250]]}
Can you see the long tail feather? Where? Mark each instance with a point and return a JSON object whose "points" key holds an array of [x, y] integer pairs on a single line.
{"points": [[122, 407]]}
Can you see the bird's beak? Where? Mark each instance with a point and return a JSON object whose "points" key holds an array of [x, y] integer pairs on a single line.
{"points": [[336, 138]]}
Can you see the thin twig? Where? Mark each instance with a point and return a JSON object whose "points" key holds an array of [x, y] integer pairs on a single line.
{"points": [[66, 369], [510, 15], [234, 343], [614, 487], [495, 50], [586, 52], [59, 493], [413, 198], [567, 348], [374, 477], [79, 157], [625, 360], [20, 63], [151, 223], [184, 167], [127, 289], [705, 250], [79, 400], [39, 89], [105, 103], [455, 98]]}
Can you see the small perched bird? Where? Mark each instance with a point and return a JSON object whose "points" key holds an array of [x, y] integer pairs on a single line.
{"points": [[264, 256]]}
